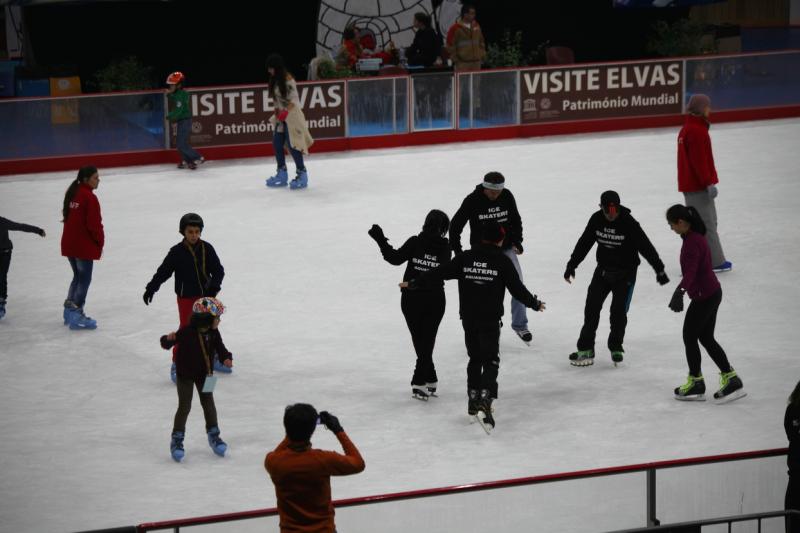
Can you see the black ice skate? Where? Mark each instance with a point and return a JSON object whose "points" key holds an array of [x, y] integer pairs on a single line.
{"points": [[431, 387], [525, 335], [693, 390], [730, 388], [485, 408], [419, 392], [582, 358], [473, 403], [617, 356]]}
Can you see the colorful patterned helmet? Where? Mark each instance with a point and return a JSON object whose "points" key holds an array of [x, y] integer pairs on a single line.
{"points": [[208, 306], [175, 78]]}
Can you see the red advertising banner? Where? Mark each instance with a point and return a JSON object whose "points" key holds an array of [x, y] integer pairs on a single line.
{"points": [[240, 115], [601, 91]]}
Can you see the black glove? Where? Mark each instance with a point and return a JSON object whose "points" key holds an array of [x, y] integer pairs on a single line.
{"points": [[676, 302], [518, 246], [536, 303], [148, 296], [661, 278], [330, 421], [413, 284], [376, 232], [569, 272]]}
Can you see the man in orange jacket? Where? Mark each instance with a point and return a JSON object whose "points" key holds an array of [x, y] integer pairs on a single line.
{"points": [[302, 475], [465, 43]]}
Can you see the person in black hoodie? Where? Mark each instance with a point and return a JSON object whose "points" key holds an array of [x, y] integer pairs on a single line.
{"points": [[427, 45], [791, 424], [620, 239], [422, 309], [483, 273], [198, 272], [5, 254], [492, 201]]}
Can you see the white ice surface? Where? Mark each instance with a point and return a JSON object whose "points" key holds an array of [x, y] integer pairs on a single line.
{"points": [[313, 315]]}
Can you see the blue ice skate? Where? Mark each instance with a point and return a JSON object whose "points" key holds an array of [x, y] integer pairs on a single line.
{"points": [[216, 443], [173, 373], [726, 266], [280, 179], [300, 181], [78, 320], [176, 446], [69, 307], [219, 367], [2, 307]]}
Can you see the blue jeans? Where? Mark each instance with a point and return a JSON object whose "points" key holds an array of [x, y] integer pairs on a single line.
{"points": [[519, 313], [278, 141], [81, 279], [188, 153]]}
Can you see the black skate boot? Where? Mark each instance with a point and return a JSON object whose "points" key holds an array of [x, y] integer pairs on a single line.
{"points": [[693, 390], [730, 387], [617, 355], [582, 358], [485, 406], [473, 404], [419, 392], [525, 335], [431, 386]]}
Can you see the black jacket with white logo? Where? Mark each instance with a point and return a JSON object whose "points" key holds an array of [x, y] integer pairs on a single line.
{"points": [[478, 209], [619, 243], [422, 252]]}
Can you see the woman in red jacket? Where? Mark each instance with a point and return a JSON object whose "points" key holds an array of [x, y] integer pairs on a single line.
{"points": [[81, 243]]}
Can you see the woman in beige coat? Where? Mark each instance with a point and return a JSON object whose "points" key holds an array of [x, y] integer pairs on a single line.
{"points": [[290, 127]]}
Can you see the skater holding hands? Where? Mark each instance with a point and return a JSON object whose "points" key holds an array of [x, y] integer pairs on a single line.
{"points": [[196, 344], [6, 246], [705, 292]]}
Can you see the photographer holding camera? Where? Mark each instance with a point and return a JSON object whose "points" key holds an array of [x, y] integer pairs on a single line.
{"points": [[302, 475]]}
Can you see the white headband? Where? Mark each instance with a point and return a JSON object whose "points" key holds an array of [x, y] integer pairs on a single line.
{"points": [[493, 186]]}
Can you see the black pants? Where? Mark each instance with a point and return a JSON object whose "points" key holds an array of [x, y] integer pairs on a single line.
{"points": [[483, 348], [185, 388], [423, 311], [793, 502], [620, 285], [698, 325], [5, 262]]}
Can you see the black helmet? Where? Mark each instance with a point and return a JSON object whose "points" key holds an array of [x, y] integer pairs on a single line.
{"points": [[436, 223], [190, 219]]}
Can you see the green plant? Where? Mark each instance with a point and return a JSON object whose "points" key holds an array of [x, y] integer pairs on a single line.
{"points": [[125, 74], [681, 38], [507, 52], [328, 69]]}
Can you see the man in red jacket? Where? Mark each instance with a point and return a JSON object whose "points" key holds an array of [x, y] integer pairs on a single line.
{"points": [[302, 475], [697, 177]]}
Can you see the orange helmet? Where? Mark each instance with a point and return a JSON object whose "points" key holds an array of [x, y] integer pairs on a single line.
{"points": [[175, 78]]}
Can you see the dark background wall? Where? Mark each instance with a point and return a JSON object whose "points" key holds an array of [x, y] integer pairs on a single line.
{"points": [[228, 43]]}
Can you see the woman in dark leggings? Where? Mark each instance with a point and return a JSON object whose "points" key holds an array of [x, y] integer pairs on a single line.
{"points": [[422, 309], [705, 293]]}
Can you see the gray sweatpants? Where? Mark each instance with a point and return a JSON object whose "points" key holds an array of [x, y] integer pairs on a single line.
{"points": [[708, 212]]}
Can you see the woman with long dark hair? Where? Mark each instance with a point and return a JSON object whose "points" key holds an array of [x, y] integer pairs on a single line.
{"points": [[423, 309], [81, 243], [290, 127], [791, 423], [705, 293]]}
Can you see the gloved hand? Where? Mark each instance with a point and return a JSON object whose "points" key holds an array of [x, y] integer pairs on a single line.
{"points": [[537, 305], [282, 114], [712, 191], [147, 296], [569, 273], [330, 422], [676, 302], [376, 232], [662, 278], [518, 247]]}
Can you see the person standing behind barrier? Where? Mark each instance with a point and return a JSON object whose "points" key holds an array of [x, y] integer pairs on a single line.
{"points": [[302, 474], [82, 243], [697, 176], [427, 45], [291, 129], [5, 254], [705, 292], [181, 115], [492, 201], [465, 44], [791, 423], [423, 309]]}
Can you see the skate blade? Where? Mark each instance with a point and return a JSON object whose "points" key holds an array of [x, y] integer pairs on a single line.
{"points": [[692, 398], [487, 427], [735, 395], [420, 397], [582, 363]]}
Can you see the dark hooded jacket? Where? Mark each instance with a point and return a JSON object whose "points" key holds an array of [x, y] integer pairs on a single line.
{"points": [[477, 209], [422, 253]]}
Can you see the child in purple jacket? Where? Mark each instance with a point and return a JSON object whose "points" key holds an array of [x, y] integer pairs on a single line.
{"points": [[705, 293]]}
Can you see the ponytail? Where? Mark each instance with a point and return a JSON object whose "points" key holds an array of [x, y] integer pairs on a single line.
{"points": [[689, 214], [83, 174]]}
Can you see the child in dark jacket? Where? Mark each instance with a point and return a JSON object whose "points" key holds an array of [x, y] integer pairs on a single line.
{"points": [[5, 254], [197, 343], [198, 272]]}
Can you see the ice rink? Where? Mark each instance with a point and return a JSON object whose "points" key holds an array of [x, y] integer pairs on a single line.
{"points": [[313, 315]]}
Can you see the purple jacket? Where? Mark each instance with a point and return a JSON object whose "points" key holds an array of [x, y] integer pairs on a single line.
{"points": [[699, 279]]}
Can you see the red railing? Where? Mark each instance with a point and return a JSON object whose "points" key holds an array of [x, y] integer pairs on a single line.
{"points": [[650, 468]]}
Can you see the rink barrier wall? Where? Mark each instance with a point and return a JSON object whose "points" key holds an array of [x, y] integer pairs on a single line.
{"points": [[650, 469], [128, 128]]}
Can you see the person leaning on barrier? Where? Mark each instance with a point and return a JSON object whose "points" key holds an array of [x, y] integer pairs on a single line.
{"points": [[302, 474]]}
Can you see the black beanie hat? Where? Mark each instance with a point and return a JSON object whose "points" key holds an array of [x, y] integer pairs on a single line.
{"points": [[492, 232], [609, 201]]}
